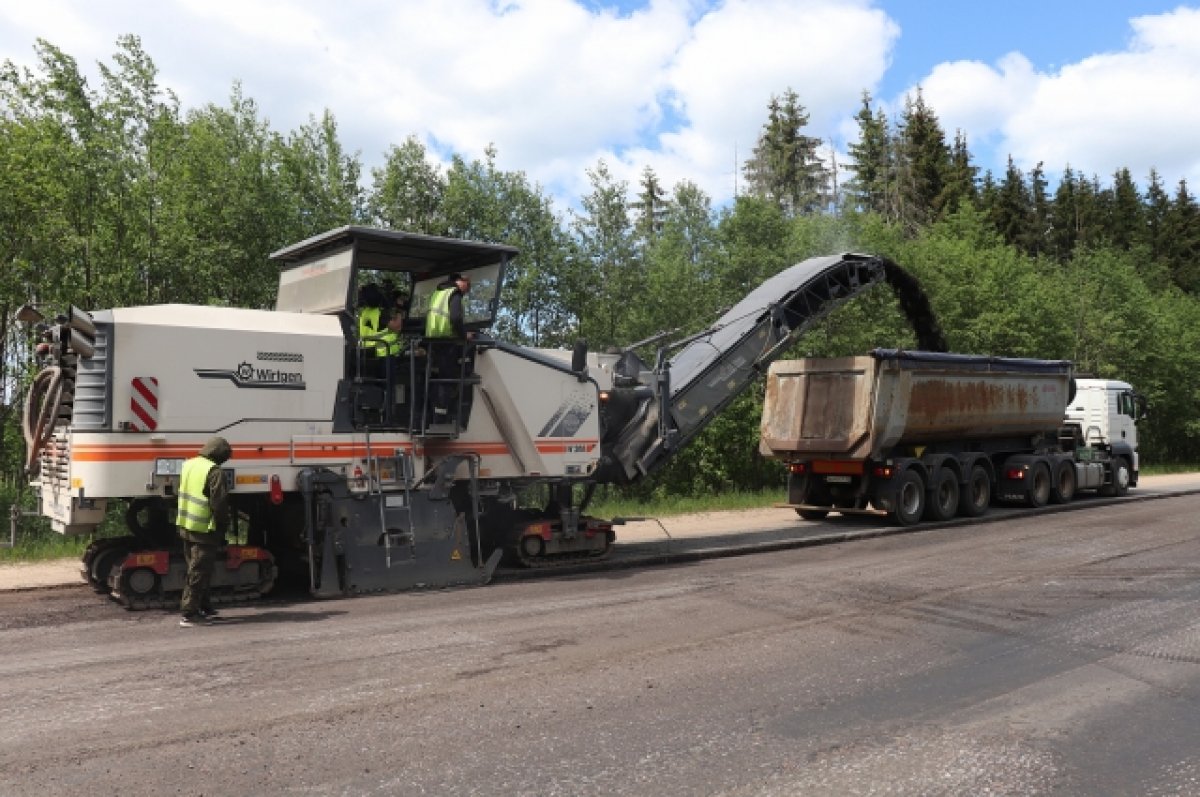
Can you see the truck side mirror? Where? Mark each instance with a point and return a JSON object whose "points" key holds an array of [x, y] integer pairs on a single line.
{"points": [[1141, 409]]}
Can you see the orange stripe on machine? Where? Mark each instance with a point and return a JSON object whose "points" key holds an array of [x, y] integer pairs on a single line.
{"points": [[247, 452]]}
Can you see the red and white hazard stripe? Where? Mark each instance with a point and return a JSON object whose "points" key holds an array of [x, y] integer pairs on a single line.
{"points": [[143, 401]]}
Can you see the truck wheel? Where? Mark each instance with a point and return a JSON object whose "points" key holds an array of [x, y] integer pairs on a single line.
{"points": [[943, 503], [1064, 491], [910, 498], [1039, 491], [1120, 478], [812, 514], [975, 500]]}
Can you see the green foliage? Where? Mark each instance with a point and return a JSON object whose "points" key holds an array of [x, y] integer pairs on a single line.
{"points": [[613, 504], [603, 279], [408, 192]]}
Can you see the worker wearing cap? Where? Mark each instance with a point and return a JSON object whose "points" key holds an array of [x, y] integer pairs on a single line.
{"points": [[203, 518], [445, 326]]}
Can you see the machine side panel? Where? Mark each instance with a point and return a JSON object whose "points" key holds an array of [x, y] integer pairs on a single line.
{"points": [[215, 367], [533, 420]]}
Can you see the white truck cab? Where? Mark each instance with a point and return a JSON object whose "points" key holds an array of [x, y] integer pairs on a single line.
{"points": [[1107, 412]]}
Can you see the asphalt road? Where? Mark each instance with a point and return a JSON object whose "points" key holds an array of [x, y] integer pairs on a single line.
{"points": [[1035, 654]]}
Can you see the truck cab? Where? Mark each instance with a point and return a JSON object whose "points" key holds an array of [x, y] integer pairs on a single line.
{"points": [[1106, 412]]}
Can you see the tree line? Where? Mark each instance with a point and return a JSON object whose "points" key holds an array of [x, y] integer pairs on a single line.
{"points": [[118, 196]]}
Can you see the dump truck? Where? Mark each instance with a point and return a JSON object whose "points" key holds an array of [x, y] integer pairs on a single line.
{"points": [[930, 435]]}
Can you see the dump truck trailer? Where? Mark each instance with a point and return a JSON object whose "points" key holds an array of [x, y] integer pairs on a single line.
{"points": [[916, 435]]}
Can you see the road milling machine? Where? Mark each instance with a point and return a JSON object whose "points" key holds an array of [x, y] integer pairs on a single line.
{"points": [[339, 476]]}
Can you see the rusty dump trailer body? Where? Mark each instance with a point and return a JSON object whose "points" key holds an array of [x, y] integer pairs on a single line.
{"points": [[922, 434]]}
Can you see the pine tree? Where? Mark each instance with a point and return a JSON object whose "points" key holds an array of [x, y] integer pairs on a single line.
{"points": [[988, 193], [1126, 214], [872, 156], [650, 208], [785, 167], [961, 177], [1183, 232], [1158, 207], [1094, 207], [1036, 240], [1012, 213], [1063, 212], [1078, 215], [923, 163]]}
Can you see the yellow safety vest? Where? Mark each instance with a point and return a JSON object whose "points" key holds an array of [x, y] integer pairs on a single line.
{"points": [[437, 321], [194, 514], [379, 342]]}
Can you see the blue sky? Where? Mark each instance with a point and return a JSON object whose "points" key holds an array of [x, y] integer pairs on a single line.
{"points": [[677, 85], [1050, 33]]}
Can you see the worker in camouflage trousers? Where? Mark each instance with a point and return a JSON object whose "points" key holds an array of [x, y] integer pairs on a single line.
{"points": [[203, 518]]}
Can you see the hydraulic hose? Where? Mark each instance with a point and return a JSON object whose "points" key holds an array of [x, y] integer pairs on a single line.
{"points": [[42, 405]]}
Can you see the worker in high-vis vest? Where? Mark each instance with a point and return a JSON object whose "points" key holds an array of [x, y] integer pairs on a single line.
{"points": [[378, 330], [203, 517], [445, 326]]}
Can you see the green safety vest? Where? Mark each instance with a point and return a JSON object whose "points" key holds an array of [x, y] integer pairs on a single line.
{"points": [[379, 342], [194, 514], [437, 321]]}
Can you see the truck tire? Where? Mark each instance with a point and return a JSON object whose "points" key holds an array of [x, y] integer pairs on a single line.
{"points": [[1120, 478], [943, 496], [1123, 476], [910, 498], [1064, 488], [977, 497], [812, 514], [1039, 488]]}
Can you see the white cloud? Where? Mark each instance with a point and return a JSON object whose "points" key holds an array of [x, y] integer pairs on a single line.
{"points": [[1135, 108], [742, 52], [970, 95], [676, 84]]}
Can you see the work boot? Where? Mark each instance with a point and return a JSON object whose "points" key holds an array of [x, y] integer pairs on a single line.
{"points": [[190, 620]]}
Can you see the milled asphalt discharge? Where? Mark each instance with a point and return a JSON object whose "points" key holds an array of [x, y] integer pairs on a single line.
{"points": [[682, 549]]}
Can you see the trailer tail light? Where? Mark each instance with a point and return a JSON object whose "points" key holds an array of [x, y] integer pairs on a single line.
{"points": [[882, 471], [276, 490], [798, 467], [1016, 474]]}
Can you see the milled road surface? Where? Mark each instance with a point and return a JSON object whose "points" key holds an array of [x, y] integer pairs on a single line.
{"points": [[1053, 654]]}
